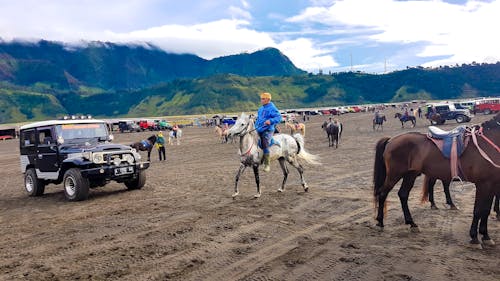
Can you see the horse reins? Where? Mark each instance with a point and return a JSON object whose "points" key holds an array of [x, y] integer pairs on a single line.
{"points": [[479, 132]]}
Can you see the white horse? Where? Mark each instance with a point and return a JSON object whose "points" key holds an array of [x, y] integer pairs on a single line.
{"points": [[172, 137], [289, 148]]}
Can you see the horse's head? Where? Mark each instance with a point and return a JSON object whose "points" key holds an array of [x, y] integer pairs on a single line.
{"points": [[243, 125], [493, 123], [152, 139]]}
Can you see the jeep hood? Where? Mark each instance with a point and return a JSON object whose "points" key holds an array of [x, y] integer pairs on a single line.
{"points": [[76, 148]]}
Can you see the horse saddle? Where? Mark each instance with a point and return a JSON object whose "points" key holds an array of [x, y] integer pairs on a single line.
{"points": [[446, 141], [145, 143], [271, 143]]}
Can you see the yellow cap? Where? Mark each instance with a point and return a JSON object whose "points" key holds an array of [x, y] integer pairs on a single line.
{"points": [[265, 96]]}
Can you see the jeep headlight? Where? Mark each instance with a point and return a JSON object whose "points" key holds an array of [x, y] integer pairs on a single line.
{"points": [[117, 161], [129, 158], [87, 155], [97, 157]]}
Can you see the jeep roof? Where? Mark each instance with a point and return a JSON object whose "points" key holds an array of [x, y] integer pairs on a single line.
{"points": [[60, 122]]}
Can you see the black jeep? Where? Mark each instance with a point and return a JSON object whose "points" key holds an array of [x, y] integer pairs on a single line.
{"points": [[439, 113], [77, 153]]}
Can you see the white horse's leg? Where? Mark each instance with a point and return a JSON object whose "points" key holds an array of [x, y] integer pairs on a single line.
{"points": [[293, 161], [240, 171], [285, 174], [257, 180]]}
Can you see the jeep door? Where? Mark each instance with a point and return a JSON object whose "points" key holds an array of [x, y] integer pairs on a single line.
{"points": [[47, 152], [27, 148]]}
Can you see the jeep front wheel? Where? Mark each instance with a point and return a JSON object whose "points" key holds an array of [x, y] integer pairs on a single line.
{"points": [[138, 182], [33, 185], [460, 118], [76, 187]]}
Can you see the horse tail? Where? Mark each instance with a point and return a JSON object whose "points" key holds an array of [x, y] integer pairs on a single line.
{"points": [[303, 154], [425, 190], [379, 169]]}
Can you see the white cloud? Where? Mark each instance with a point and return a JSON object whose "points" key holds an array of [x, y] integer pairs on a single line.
{"points": [[306, 56], [463, 32]]}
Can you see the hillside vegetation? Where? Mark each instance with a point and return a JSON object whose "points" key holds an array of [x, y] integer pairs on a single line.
{"points": [[35, 85]]}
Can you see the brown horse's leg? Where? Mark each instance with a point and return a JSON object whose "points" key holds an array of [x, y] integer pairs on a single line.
{"points": [[496, 208], [449, 201], [430, 183], [483, 222], [482, 206], [404, 193], [285, 173]]}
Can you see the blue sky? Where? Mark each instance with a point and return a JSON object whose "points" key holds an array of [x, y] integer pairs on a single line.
{"points": [[374, 36]]}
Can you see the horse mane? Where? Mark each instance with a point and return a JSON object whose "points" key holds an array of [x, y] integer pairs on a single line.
{"points": [[152, 139]]}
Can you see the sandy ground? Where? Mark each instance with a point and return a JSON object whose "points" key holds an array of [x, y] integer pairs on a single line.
{"points": [[184, 225]]}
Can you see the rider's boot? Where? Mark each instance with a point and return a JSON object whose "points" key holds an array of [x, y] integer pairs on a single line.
{"points": [[267, 161]]}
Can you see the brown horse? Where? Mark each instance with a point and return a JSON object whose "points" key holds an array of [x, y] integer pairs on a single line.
{"points": [[145, 145], [405, 119], [296, 128], [221, 133], [378, 122], [406, 156]]}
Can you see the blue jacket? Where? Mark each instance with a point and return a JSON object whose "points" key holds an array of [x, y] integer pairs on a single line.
{"points": [[267, 112]]}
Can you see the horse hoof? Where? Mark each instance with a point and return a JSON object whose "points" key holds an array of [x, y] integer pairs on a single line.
{"points": [[379, 228], [306, 188], [414, 229], [454, 208], [235, 194], [475, 244], [488, 242], [434, 207], [257, 195], [280, 190]]}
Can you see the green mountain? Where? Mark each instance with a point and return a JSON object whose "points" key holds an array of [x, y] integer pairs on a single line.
{"points": [[110, 81], [110, 66]]}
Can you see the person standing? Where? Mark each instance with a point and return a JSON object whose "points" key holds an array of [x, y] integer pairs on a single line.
{"points": [[175, 128], [419, 112], [160, 142], [267, 118]]}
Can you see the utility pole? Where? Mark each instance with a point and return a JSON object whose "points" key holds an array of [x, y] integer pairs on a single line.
{"points": [[350, 54]]}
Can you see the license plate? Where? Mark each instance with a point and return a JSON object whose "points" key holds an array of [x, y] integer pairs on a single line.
{"points": [[124, 170]]}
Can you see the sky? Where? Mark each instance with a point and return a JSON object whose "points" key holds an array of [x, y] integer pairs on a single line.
{"points": [[374, 36]]}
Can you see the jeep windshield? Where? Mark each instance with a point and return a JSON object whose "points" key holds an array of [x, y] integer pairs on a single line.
{"points": [[75, 133]]}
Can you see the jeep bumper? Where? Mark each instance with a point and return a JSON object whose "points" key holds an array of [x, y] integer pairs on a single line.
{"points": [[115, 172]]}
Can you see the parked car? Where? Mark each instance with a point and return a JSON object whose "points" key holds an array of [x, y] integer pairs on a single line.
{"points": [[128, 126], [147, 125], [228, 120], [446, 112], [79, 154], [487, 106]]}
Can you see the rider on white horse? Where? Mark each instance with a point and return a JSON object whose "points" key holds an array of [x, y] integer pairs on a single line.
{"points": [[267, 117]]}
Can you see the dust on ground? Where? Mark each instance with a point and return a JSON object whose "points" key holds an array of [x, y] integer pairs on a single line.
{"points": [[184, 225]]}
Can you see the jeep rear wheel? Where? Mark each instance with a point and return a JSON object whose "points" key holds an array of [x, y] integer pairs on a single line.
{"points": [[76, 187], [487, 111], [33, 185], [138, 182]]}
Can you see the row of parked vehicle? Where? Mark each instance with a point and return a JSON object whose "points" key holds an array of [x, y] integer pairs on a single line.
{"points": [[142, 125]]}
